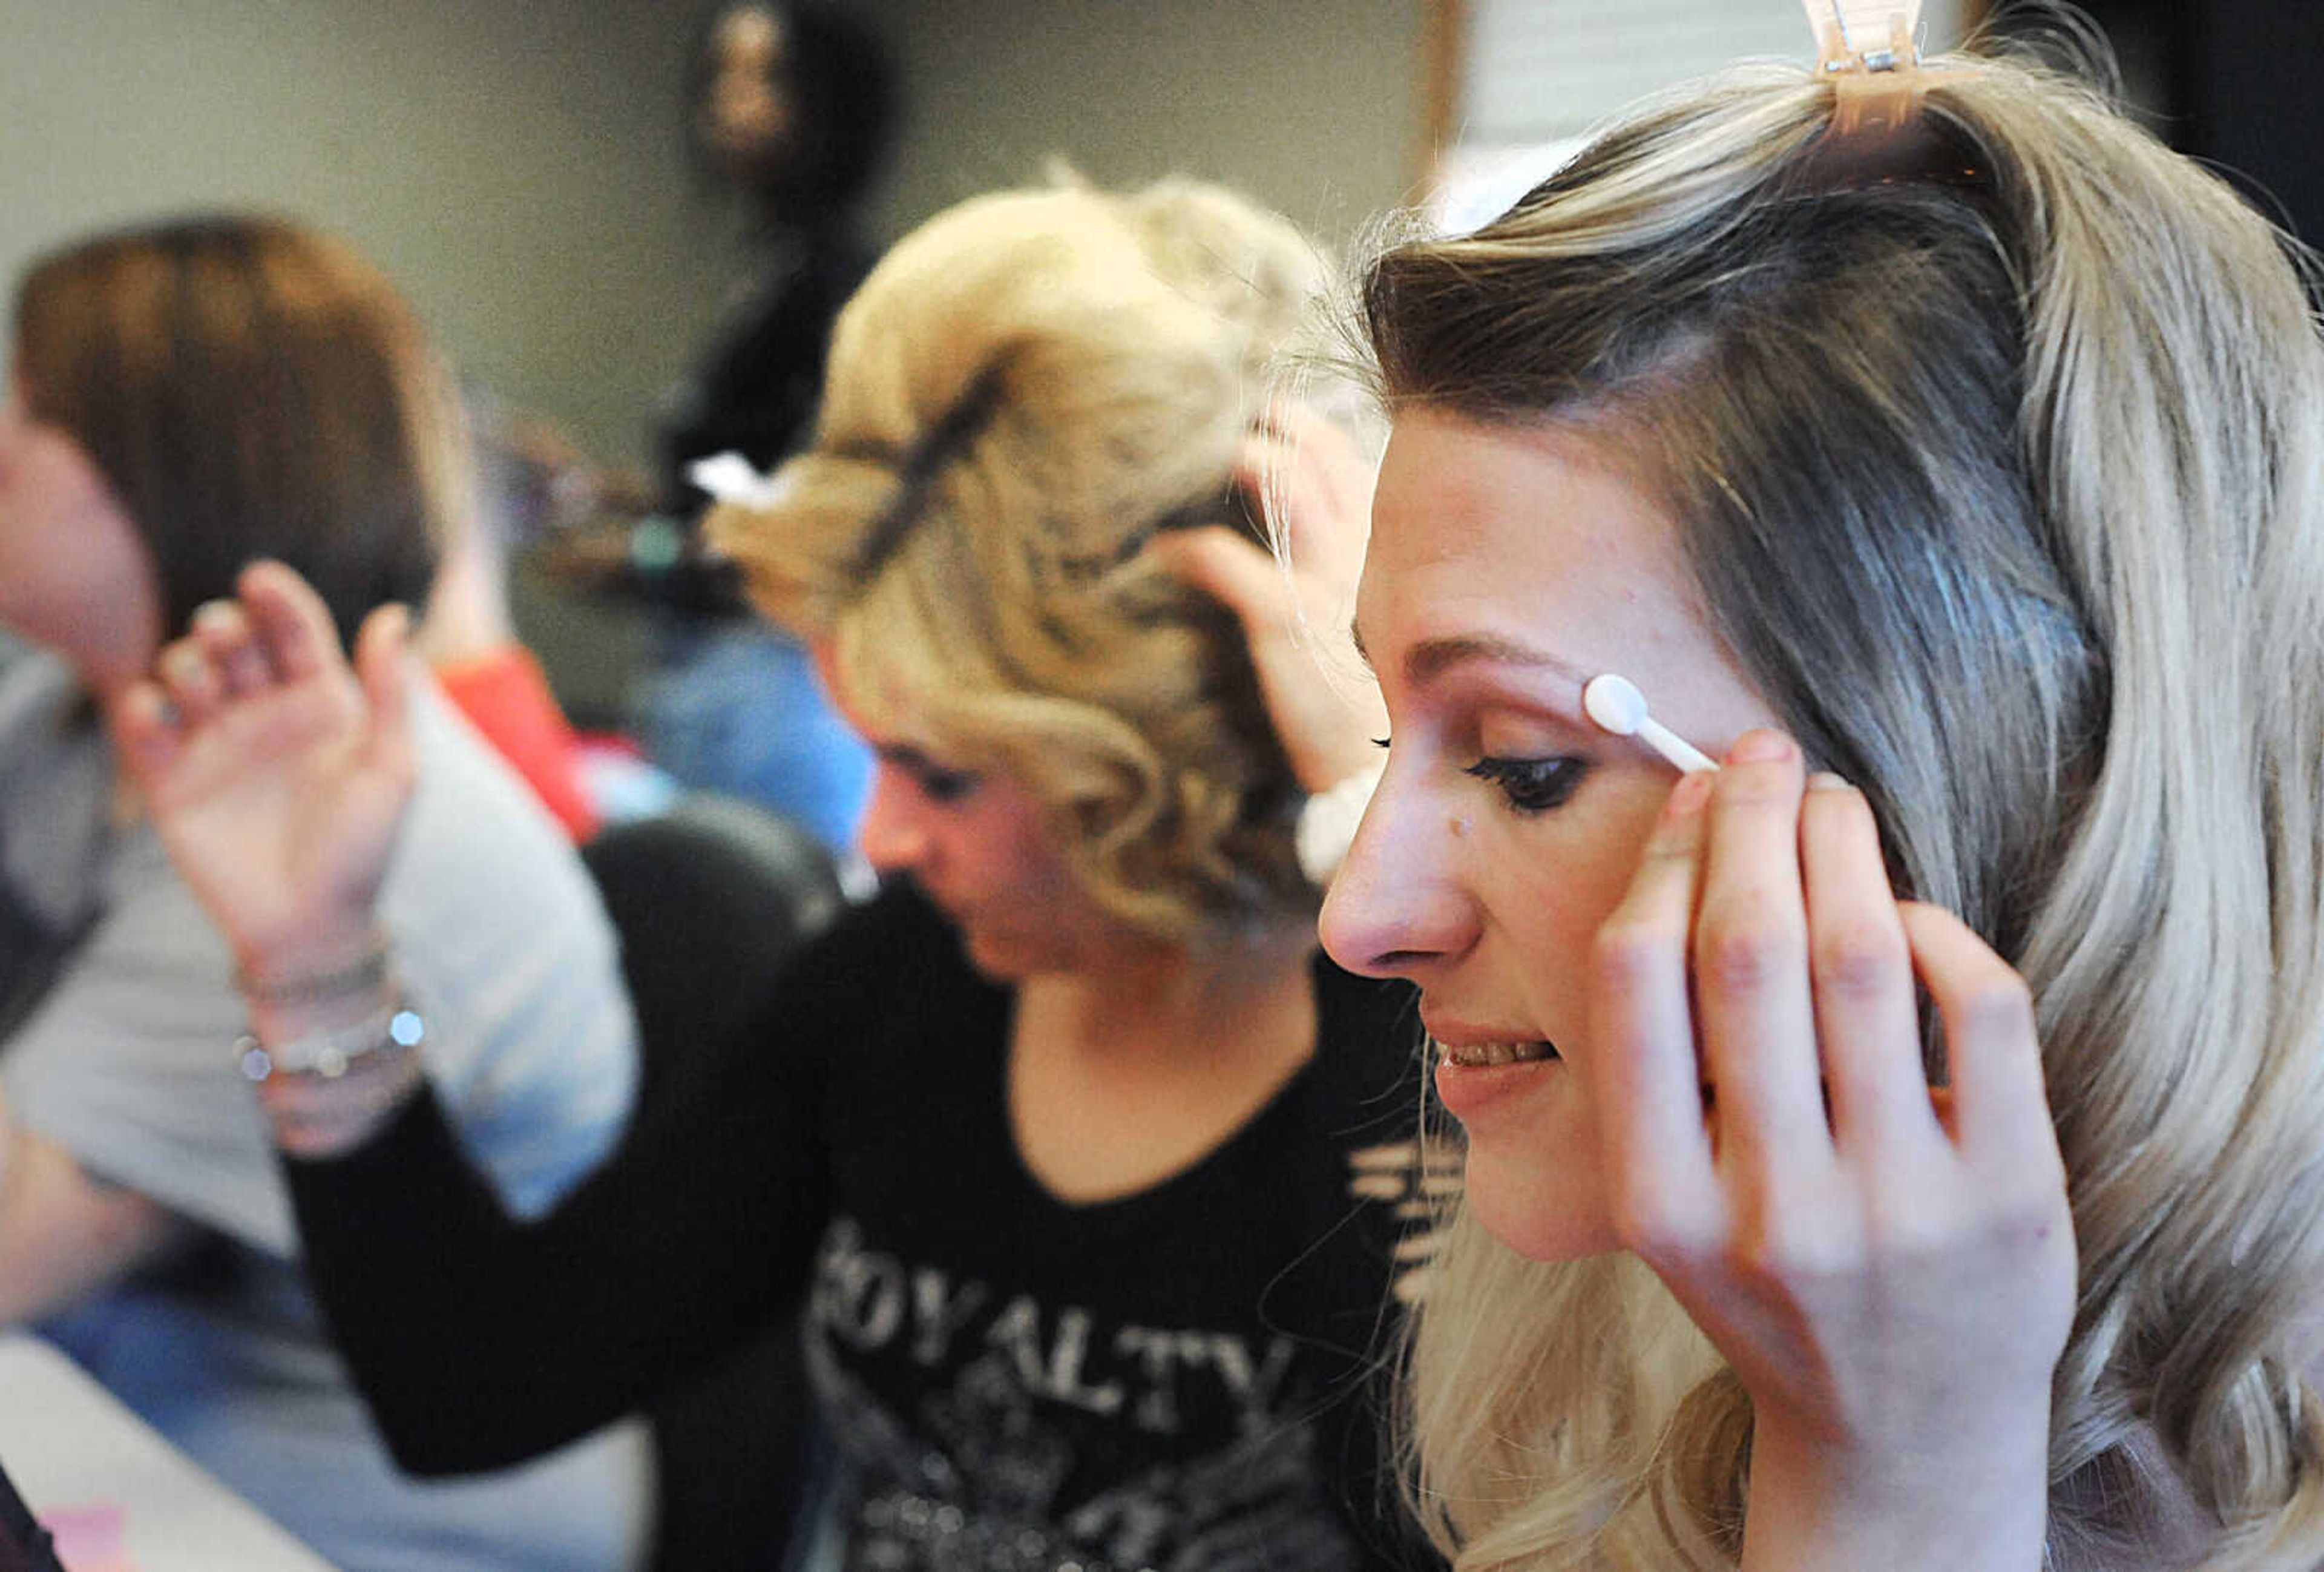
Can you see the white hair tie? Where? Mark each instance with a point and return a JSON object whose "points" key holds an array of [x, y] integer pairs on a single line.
{"points": [[729, 478]]}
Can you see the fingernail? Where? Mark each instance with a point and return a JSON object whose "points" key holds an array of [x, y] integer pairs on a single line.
{"points": [[1689, 794], [1760, 747], [212, 611], [1825, 781]]}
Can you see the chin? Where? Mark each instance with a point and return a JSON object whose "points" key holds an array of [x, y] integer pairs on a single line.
{"points": [[999, 958], [1540, 1208]]}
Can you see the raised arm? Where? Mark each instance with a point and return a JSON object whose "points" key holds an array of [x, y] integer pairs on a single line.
{"points": [[480, 1340], [277, 775]]}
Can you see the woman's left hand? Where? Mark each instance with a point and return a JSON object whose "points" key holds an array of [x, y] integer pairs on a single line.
{"points": [[1317, 490], [1888, 1268]]}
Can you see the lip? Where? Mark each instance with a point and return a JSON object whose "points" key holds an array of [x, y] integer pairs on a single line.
{"points": [[1470, 1093], [1453, 1032]]}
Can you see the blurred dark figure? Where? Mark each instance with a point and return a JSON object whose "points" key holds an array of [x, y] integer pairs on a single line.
{"points": [[789, 107]]}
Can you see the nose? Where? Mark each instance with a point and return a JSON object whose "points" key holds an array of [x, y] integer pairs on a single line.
{"points": [[1397, 907], [894, 834]]}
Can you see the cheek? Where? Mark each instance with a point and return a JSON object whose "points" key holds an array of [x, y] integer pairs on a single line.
{"points": [[1568, 874], [1042, 870], [1009, 850]]}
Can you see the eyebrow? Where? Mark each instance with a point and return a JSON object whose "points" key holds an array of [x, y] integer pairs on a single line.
{"points": [[904, 755], [1431, 657]]}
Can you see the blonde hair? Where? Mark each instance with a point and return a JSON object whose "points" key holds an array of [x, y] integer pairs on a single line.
{"points": [[1998, 459], [1023, 392]]}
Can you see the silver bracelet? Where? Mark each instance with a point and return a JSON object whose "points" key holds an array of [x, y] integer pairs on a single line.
{"points": [[331, 1052], [1327, 824], [365, 971]]}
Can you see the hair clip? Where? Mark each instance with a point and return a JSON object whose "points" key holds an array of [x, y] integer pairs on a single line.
{"points": [[1867, 49], [946, 440]]}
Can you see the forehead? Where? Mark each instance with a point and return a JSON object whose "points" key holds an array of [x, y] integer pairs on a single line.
{"points": [[1532, 531], [748, 36]]}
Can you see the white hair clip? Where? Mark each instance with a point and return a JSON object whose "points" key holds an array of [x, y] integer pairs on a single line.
{"points": [[728, 477]]}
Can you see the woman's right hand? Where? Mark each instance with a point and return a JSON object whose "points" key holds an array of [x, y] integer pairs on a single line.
{"points": [[1888, 1268], [276, 775]]}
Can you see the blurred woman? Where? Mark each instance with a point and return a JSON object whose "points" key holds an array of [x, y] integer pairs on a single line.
{"points": [[186, 397], [1943, 454], [790, 110], [1091, 1169]]}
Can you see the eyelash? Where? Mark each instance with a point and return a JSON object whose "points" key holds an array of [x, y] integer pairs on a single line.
{"points": [[1532, 785]]}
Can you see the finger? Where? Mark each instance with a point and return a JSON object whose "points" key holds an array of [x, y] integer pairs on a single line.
{"points": [[1751, 965], [145, 734], [1640, 1063], [1324, 723], [1228, 569], [1280, 415], [1262, 473], [1867, 1022], [225, 634], [294, 626], [381, 646], [1992, 1053], [190, 679], [1314, 485], [1312, 435]]}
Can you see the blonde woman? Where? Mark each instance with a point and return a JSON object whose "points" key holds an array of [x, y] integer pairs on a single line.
{"points": [[1942, 454], [1088, 1165]]}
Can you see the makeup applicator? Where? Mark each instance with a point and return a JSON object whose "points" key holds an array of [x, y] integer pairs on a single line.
{"points": [[1617, 706]]}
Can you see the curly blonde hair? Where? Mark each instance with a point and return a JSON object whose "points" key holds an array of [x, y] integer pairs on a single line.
{"points": [[2000, 473], [1023, 392]]}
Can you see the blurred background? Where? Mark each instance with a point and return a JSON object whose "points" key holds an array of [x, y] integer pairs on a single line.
{"points": [[519, 166]]}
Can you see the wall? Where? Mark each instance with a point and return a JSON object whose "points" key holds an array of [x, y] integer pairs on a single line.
{"points": [[1310, 105], [515, 166]]}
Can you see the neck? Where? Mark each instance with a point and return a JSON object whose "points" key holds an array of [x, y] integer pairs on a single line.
{"points": [[1174, 1002], [1120, 1077], [467, 610]]}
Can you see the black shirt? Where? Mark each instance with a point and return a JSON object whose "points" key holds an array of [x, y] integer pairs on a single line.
{"points": [[1184, 1377]]}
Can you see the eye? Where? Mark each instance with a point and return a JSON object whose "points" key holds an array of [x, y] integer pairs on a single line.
{"points": [[942, 785], [1532, 785]]}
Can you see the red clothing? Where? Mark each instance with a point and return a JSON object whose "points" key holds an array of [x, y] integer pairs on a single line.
{"points": [[505, 697]]}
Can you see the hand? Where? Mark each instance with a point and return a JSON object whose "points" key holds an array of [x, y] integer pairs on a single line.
{"points": [[1317, 491], [1889, 1269], [276, 776]]}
